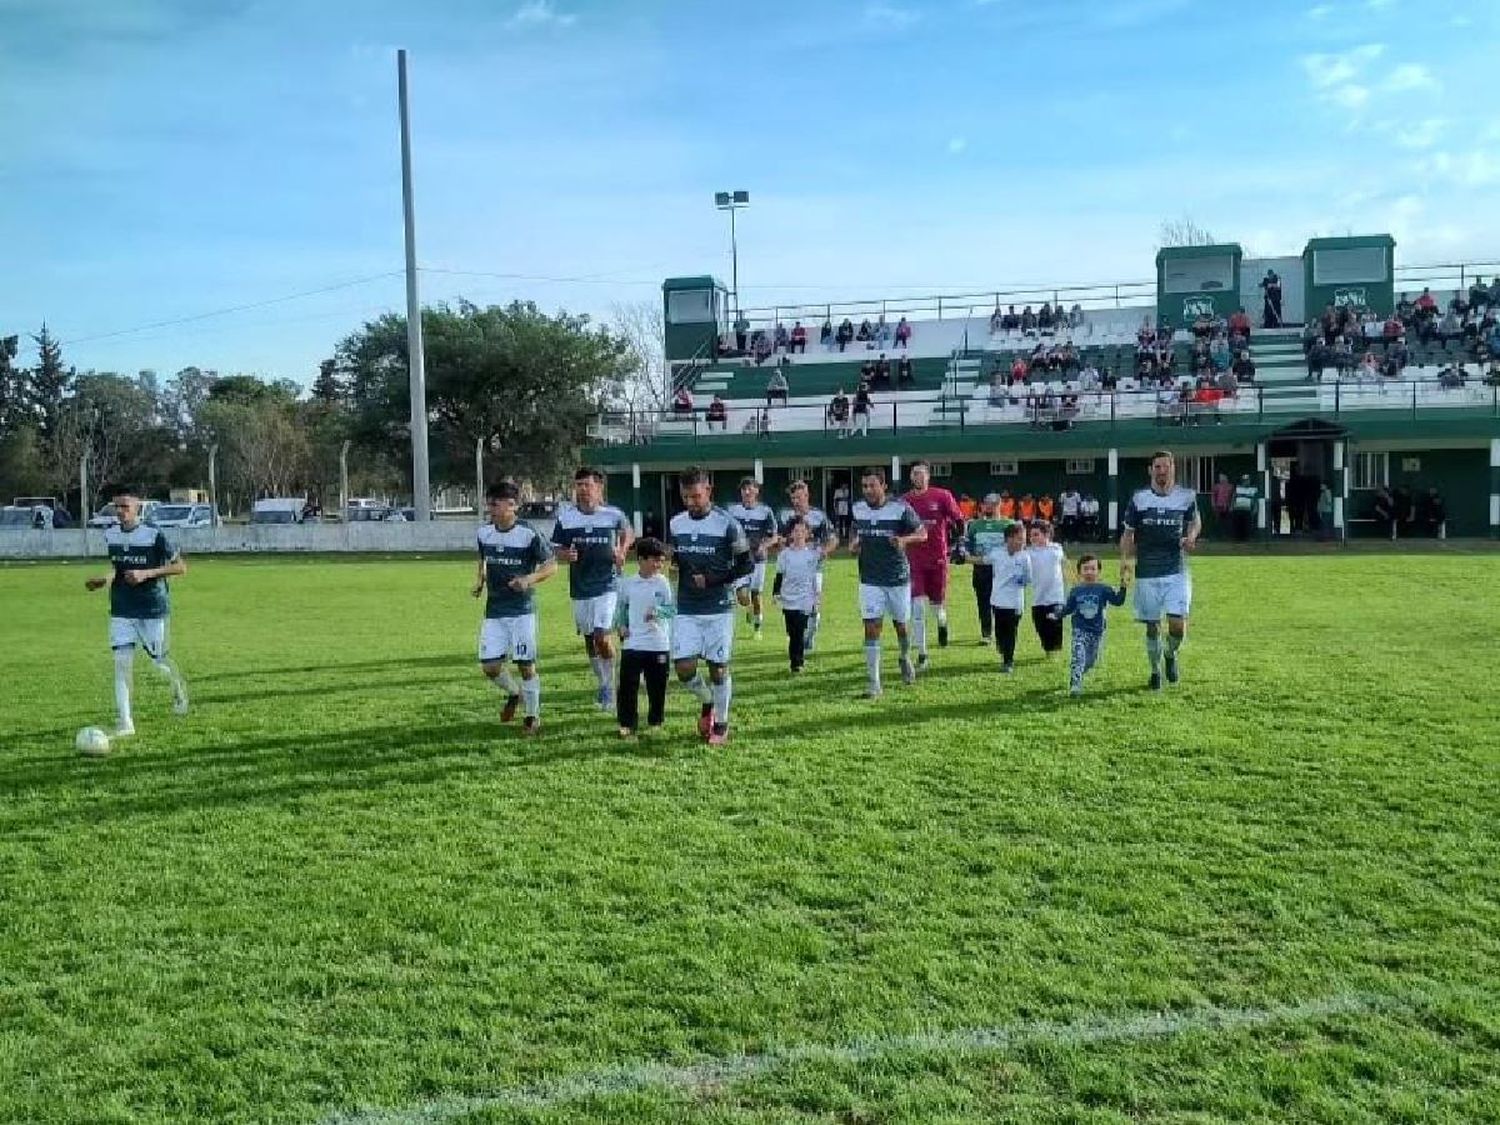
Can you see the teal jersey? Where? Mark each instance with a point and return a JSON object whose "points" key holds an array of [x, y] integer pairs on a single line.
{"points": [[981, 536], [595, 534], [881, 562], [513, 553], [1160, 522], [760, 526], [142, 548], [710, 545]]}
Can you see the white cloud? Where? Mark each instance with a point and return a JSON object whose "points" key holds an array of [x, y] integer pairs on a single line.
{"points": [[1410, 76], [890, 16], [540, 13], [1325, 71], [1320, 12], [1421, 134], [1476, 168], [1350, 95], [956, 145]]}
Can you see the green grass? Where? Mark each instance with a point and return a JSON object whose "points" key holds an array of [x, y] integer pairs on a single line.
{"points": [[340, 883]]}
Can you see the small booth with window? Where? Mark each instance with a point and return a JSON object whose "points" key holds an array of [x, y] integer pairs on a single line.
{"points": [[1193, 281], [693, 309], [1359, 271]]}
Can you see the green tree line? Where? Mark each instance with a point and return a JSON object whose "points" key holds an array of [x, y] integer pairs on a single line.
{"points": [[525, 383]]}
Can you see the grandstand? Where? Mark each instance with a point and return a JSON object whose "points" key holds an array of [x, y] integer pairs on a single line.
{"points": [[1415, 430]]}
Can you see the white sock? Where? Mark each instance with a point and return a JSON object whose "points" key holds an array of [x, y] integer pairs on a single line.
{"points": [[721, 693], [598, 666], [124, 663], [169, 672], [531, 697], [506, 683], [698, 688], [606, 670], [872, 662], [812, 628], [942, 616], [919, 623]]}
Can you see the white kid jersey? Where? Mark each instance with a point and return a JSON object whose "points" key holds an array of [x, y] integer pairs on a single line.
{"points": [[1047, 584]]}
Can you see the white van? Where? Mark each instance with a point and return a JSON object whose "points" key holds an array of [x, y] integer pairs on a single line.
{"points": [[279, 509]]}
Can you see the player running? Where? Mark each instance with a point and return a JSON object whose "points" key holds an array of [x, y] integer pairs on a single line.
{"points": [[820, 533], [711, 553], [513, 561], [1161, 528], [883, 529], [594, 538], [937, 509], [143, 558], [761, 529]]}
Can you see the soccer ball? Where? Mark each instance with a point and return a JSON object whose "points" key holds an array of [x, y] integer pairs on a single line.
{"points": [[92, 742]]}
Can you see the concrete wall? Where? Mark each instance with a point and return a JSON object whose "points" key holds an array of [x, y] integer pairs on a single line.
{"points": [[333, 538]]}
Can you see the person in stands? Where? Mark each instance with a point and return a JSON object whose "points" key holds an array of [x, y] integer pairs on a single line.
{"points": [[904, 374], [718, 415], [903, 333], [799, 339], [682, 402]]}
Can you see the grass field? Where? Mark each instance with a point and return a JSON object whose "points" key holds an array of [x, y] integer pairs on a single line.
{"points": [[340, 891]]}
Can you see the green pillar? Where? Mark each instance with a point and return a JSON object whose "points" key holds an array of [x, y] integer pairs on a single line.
{"points": [[1114, 492]]}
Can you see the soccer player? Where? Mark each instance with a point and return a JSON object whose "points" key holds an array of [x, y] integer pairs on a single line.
{"points": [[883, 529], [937, 509], [513, 561], [594, 539], [142, 558], [711, 553], [1048, 586], [760, 525], [644, 620], [1010, 567], [1085, 605], [983, 534], [1161, 528], [822, 535]]}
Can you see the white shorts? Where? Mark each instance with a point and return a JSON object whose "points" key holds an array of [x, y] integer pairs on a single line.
{"points": [[595, 615], [709, 635], [876, 602], [148, 632], [1171, 594], [755, 581], [508, 637]]}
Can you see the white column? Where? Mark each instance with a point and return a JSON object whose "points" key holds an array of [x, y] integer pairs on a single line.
{"points": [[1494, 483], [636, 518], [760, 471], [1114, 490], [1263, 464], [1338, 498], [895, 470]]}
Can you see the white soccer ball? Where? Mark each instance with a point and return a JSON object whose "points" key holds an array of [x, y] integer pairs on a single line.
{"points": [[92, 742]]}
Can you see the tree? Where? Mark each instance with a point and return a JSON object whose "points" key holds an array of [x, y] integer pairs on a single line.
{"points": [[525, 383], [644, 383], [328, 388], [1184, 232], [13, 390], [114, 419], [50, 382]]}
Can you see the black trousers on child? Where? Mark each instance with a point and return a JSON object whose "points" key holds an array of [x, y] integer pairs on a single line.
{"points": [[1049, 629], [635, 666], [1007, 622], [796, 636], [983, 580]]}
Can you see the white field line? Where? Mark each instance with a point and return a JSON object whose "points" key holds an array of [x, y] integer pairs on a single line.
{"points": [[712, 1074]]}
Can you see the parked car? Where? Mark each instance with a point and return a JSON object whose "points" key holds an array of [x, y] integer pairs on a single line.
{"points": [[183, 515], [56, 515], [13, 518], [279, 509]]}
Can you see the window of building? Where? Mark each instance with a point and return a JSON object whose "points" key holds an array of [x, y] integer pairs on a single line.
{"points": [[1369, 471]]}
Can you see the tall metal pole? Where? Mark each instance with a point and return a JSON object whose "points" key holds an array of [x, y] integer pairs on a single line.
{"points": [[421, 486], [479, 476], [85, 509], [734, 253], [344, 480], [213, 484]]}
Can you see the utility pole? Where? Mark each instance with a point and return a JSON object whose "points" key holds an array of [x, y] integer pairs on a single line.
{"points": [[421, 486]]}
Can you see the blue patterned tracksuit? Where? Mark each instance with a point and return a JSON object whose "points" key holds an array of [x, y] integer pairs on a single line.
{"points": [[1085, 605]]}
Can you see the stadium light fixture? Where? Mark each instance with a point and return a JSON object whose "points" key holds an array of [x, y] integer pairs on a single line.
{"points": [[732, 201]]}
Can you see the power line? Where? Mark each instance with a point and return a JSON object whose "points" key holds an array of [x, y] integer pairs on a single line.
{"points": [[585, 279], [232, 309]]}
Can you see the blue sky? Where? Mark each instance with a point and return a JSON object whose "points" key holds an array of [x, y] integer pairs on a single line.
{"points": [[161, 159]]}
